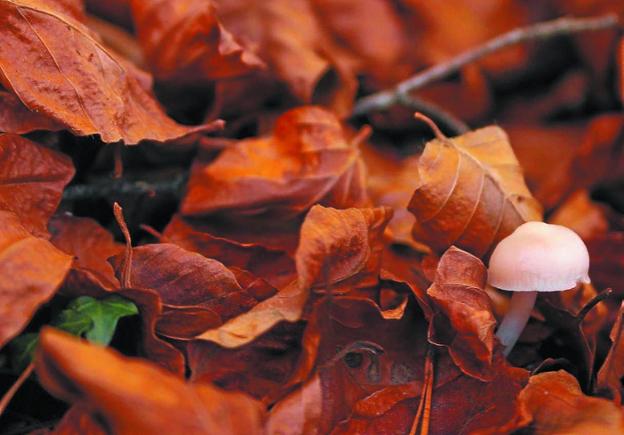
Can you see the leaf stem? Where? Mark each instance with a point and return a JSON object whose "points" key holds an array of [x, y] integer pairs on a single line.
{"points": [[561, 26]]}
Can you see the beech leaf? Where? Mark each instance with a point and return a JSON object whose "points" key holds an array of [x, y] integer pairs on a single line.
{"points": [[134, 396], [31, 270], [464, 321], [32, 179], [472, 192], [56, 66]]}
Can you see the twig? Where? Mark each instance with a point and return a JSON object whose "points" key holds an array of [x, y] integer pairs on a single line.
{"points": [[562, 26], [4, 402], [105, 188], [126, 270]]}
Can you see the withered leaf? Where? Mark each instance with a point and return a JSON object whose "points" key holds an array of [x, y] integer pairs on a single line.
{"points": [[464, 321], [16, 118], [32, 179], [341, 246], [90, 244], [134, 396], [556, 405], [307, 160], [197, 293], [31, 270], [275, 266], [287, 36], [472, 193], [610, 374], [185, 42], [336, 247], [54, 64]]}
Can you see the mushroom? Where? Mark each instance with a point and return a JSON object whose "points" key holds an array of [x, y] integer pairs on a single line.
{"points": [[536, 257]]}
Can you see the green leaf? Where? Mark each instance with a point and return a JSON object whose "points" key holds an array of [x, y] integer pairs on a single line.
{"points": [[23, 350], [73, 321], [104, 314]]}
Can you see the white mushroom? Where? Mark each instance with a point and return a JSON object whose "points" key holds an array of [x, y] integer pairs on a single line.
{"points": [[536, 257]]}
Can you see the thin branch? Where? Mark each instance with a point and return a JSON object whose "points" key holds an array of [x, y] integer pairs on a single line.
{"points": [[4, 402], [106, 188], [548, 29]]}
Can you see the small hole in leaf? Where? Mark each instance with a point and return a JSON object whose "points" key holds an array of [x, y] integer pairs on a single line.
{"points": [[353, 359]]}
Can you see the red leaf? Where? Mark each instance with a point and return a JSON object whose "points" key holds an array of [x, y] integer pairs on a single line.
{"points": [[32, 179], [31, 270]]}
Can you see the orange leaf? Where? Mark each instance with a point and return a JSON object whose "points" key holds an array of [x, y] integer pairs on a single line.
{"points": [[31, 269], [54, 64], [472, 192], [133, 396], [612, 370], [341, 247], [336, 247], [287, 36], [185, 42], [307, 160], [557, 405]]}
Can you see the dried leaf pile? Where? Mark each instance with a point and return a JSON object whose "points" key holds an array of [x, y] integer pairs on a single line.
{"points": [[207, 225]]}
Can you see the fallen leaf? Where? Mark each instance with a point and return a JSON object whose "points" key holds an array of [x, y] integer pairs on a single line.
{"points": [[77, 421], [185, 42], [354, 247], [32, 269], [472, 192], [91, 245], [339, 246], [556, 405], [123, 392], [197, 293], [287, 36], [609, 378], [32, 179], [17, 118], [307, 160], [582, 215], [74, 80], [275, 266], [261, 368], [463, 322]]}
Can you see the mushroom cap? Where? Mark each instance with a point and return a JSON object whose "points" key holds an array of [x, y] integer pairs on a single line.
{"points": [[539, 257]]}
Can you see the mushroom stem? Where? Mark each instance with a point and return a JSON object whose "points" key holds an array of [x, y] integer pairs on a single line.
{"points": [[516, 319]]}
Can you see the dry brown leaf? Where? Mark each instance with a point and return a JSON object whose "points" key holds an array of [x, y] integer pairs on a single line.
{"points": [[133, 396], [464, 322], [184, 42], [557, 405], [307, 160], [287, 36], [31, 269], [55, 66], [472, 192], [609, 379], [336, 247], [32, 179]]}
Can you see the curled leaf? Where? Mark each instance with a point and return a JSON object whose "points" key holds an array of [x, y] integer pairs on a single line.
{"points": [[463, 321], [472, 193]]}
